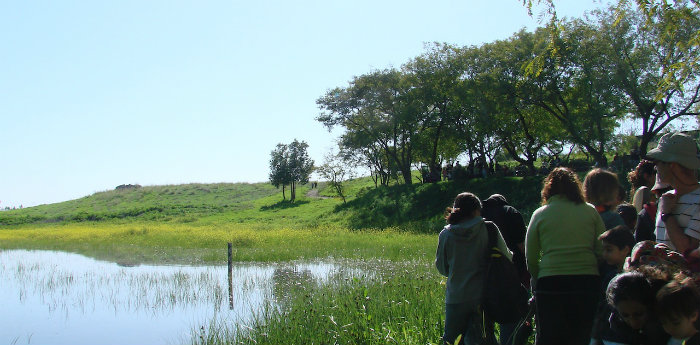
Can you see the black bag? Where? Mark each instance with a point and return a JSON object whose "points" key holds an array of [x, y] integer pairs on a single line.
{"points": [[505, 299]]}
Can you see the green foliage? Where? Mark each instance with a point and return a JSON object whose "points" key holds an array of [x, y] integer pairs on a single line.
{"points": [[570, 83], [335, 169], [290, 165]]}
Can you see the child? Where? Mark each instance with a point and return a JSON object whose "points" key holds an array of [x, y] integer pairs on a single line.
{"points": [[677, 306], [628, 214], [631, 298], [617, 245], [461, 257], [600, 188]]}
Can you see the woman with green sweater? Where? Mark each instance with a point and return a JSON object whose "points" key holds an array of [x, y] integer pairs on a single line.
{"points": [[562, 251]]}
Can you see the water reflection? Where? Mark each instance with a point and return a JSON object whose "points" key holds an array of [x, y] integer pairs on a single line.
{"points": [[63, 298]]}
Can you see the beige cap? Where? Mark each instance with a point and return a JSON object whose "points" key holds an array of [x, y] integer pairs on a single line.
{"points": [[677, 147]]}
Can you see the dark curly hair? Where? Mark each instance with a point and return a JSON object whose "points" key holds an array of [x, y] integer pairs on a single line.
{"points": [[463, 208], [562, 181], [636, 176]]}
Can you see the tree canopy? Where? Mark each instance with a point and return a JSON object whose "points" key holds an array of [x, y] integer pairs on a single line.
{"points": [[570, 83], [290, 165]]}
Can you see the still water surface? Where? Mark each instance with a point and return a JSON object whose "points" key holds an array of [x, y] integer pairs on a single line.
{"points": [[53, 297]]}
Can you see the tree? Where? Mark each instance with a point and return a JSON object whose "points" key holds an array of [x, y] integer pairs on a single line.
{"points": [[655, 57], [574, 86], [336, 170], [436, 78], [522, 129], [279, 168], [300, 165], [375, 110], [674, 15], [289, 166], [639, 54]]}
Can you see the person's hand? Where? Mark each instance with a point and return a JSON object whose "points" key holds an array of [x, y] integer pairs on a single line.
{"points": [[667, 202]]}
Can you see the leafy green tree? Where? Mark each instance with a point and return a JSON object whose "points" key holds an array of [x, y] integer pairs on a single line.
{"points": [[279, 168], [522, 129], [574, 87], [654, 57], [369, 155], [300, 165], [640, 53], [436, 78], [289, 166], [374, 109], [673, 31], [336, 170]]}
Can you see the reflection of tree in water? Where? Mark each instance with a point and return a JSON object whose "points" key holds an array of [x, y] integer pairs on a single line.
{"points": [[288, 280]]}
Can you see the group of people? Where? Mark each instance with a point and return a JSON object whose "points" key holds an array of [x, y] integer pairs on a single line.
{"points": [[601, 271]]}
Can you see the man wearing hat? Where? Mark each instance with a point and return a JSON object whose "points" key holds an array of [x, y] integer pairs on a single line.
{"points": [[678, 217]]}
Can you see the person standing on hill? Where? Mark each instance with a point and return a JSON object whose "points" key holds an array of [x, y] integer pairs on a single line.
{"points": [[678, 217], [461, 257], [563, 251]]}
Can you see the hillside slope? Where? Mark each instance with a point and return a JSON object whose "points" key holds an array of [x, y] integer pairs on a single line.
{"points": [[417, 207], [152, 202]]}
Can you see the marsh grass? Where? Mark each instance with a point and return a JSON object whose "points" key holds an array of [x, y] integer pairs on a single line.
{"points": [[400, 303], [121, 290], [147, 242]]}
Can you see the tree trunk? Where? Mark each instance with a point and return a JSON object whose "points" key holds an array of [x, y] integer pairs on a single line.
{"points": [[644, 143], [407, 178], [292, 191]]}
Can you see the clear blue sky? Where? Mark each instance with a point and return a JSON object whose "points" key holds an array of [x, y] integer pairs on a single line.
{"points": [[94, 94]]}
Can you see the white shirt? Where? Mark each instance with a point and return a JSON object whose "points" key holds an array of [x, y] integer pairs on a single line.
{"points": [[687, 212]]}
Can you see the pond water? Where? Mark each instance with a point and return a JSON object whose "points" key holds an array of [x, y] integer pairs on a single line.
{"points": [[53, 297]]}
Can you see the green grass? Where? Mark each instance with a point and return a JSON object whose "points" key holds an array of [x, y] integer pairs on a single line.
{"points": [[160, 203], [420, 207], [195, 244], [192, 224], [417, 207], [402, 305]]}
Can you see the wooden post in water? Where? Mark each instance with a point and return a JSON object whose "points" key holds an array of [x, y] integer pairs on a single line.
{"points": [[230, 275]]}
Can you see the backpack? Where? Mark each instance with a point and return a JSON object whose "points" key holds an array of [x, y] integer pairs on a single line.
{"points": [[505, 299]]}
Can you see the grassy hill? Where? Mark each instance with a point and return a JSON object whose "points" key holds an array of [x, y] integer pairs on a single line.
{"points": [[416, 207]]}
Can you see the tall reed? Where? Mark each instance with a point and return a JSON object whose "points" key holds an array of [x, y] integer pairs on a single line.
{"points": [[403, 304]]}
